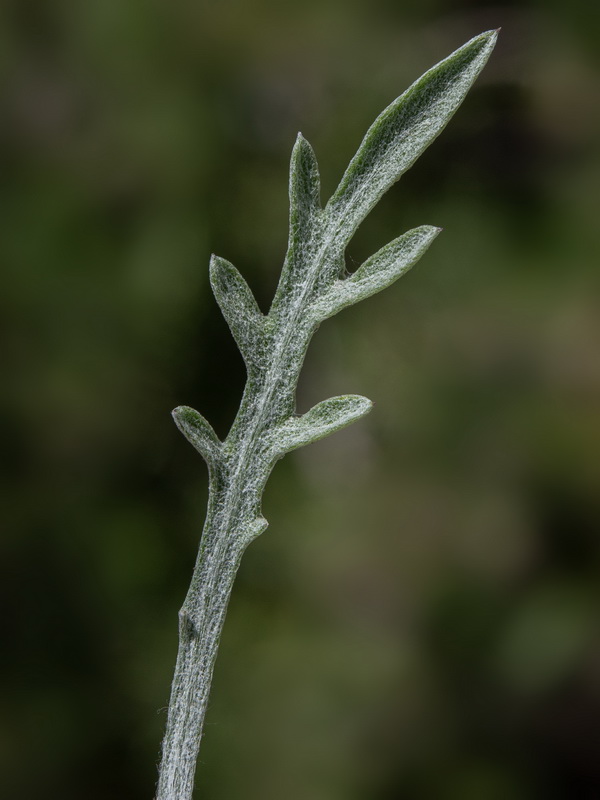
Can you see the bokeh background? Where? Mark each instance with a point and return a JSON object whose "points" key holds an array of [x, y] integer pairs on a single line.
{"points": [[420, 620]]}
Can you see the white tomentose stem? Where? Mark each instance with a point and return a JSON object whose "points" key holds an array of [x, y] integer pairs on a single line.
{"points": [[313, 287], [200, 626]]}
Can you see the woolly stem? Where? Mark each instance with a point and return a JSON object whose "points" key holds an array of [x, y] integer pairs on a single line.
{"points": [[201, 621]]}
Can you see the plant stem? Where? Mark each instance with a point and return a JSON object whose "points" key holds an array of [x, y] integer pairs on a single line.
{"points": [[233, 520], [201, 621], [313, 286]]}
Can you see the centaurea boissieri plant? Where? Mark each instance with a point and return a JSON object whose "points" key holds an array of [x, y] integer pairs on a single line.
{"points": [[313, 286]]}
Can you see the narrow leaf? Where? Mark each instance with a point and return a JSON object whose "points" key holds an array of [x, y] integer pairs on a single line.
{"points": [[305, 209], [305, 185], [239, 308], [406, 127], [199, 432], [378, 272], [322, 419]]}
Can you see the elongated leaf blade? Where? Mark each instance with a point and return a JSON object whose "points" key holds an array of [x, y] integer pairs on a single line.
{"points": [[305, 211], [406, 127], [305, 185], [239, 308], [324, 418], [378, 272]]}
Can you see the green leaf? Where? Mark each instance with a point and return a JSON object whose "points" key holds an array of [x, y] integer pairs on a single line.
{"points": [[305, 186], [305, 213], [199, 432], [406, 127], [240, 310], [324, 418], [377, 273]]}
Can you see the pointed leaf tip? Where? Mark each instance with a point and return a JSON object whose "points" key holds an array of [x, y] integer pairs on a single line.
{"points": [[377, 272], [304, 177], [217, 268], [305, 211], [404, 129]]}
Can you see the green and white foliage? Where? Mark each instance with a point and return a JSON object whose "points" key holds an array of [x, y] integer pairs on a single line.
{"points": [[313, 287]]}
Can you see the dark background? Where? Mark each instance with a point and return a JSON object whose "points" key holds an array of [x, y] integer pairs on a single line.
{"points": [[420, 619]]}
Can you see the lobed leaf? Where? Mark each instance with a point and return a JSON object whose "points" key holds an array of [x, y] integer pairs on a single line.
{"points": [[311, 288], [239, 308], [324, 418], [377, 273], [401, 132]]}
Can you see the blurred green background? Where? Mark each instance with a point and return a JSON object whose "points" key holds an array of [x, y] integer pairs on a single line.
{"points": [[420, 619]]}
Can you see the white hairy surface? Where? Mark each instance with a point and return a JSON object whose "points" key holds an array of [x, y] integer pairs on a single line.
{"points": [[273, 347]]}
